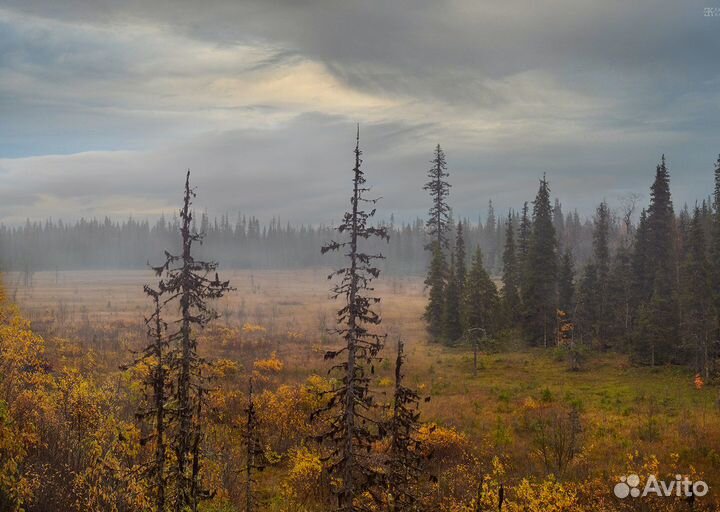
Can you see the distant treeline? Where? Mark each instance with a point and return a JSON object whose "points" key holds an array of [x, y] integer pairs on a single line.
{"points": [[247, 243]]}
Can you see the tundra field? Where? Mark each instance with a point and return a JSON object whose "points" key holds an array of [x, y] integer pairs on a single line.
{"points": [[608, 419]]}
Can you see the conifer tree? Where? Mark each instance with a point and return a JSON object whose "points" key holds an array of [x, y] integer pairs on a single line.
{"points": [[539, 295], [188, 281], [660, 220], [664, 307], [352, 431], [510, 276], [438, 222], [659, 320], [437, 227], [405, 456], [452, 325], [481, 304]]}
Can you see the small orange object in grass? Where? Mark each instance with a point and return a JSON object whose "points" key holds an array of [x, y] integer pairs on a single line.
{"points": [[699, 383]]}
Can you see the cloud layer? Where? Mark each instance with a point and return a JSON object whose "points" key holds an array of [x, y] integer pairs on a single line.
{"points": [[105, 103]]}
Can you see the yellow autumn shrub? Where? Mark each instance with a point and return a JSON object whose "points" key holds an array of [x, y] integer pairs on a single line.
{"points": [[306, 482], [24, 399]]}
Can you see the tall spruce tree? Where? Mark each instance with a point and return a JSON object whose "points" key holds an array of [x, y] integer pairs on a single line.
{"points": [[437, 226], [510, 276], [438, 223], [351, 430], [189, 282], [540, 287], [658, 319]]}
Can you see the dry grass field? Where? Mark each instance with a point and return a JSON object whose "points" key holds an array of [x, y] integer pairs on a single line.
{"points": [[631, 417], [294, 299]]}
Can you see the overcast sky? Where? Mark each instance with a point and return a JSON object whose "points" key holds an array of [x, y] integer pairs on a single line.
{"points": [[105, 103]]}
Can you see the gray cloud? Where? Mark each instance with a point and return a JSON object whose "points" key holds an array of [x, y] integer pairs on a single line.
{"points": [[260, 97], [443, 46]]}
